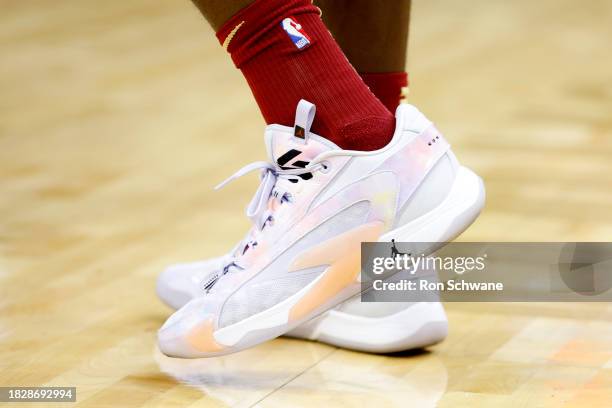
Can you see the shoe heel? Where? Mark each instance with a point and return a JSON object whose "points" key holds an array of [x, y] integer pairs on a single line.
{"points": [[450, 218]]}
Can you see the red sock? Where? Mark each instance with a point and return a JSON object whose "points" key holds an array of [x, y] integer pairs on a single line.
{"points": [[282, 68], [387, 86]]}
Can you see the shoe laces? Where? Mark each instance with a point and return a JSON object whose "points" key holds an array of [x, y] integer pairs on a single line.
{"points": [[258, 210]]}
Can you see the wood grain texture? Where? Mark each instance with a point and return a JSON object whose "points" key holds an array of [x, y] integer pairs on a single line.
{"points": [[117, 118]]}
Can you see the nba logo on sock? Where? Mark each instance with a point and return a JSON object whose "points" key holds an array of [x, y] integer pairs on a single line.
{"points": [[296, 33]]}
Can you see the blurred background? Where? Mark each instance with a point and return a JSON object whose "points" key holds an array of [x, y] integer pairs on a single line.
{"points": [[117, 118]]}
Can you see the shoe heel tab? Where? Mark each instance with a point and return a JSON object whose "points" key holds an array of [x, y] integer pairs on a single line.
{"points": [[411, 119]]}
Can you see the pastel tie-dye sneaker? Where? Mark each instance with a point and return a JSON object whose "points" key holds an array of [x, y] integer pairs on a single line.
{"points": [[315, 205], [380, 327]]}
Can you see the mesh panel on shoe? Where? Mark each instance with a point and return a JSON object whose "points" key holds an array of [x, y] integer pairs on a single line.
{"points": [[256, 297], [273, 284]]}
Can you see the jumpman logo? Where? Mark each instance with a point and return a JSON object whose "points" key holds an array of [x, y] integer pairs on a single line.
{"points": [[394, 250]]}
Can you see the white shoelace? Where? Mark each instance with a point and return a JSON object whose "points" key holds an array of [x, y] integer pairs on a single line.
{"points": [[257, 210]]}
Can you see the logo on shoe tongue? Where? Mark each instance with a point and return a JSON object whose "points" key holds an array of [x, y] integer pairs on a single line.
{"points": [[299, 132], [286, 162], [296, 33]]}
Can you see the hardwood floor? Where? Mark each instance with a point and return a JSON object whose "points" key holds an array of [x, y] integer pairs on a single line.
{"points": [[118, 118]]}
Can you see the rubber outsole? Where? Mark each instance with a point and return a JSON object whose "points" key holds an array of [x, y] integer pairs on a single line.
{"points": [[419, 325]]}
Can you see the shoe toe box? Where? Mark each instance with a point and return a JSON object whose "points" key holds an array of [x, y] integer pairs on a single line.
{"points": [[189, 332]]}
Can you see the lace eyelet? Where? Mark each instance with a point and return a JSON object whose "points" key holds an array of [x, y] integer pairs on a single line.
{"points": [[325, 167], [269, 222]]}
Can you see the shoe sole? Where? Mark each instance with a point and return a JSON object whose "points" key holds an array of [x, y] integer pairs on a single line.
{"points": [[442, 224], [418, 325]]}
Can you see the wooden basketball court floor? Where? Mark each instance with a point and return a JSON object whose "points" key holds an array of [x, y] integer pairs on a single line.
{"points": [[116, 120]]}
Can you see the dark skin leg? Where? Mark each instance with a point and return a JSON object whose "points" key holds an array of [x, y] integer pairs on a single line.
{"points": [[218, 12], [372, 34]]}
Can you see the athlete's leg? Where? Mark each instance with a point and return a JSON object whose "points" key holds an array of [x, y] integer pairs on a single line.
{"points": [[251, 295], [286, 53], [218, 12], [374, 37]]}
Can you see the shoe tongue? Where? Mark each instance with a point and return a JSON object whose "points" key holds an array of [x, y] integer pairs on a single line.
{"points": [[288, 151]]}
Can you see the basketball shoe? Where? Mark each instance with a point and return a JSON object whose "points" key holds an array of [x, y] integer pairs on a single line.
{"points": [[371, 326], [315, 205]]}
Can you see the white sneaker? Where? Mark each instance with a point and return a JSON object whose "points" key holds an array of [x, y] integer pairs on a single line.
{"points": [[375, 327], [315, 205]]}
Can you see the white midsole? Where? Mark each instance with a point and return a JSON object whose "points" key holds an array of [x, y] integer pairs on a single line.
{"points": [[441, 224], [417, 325]]}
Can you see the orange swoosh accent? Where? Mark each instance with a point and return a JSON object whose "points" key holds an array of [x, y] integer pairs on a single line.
{"points": [[201, 337], [343, 255]]}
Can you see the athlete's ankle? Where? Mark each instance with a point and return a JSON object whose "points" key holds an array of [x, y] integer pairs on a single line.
{"points": [[366, 134], [286, 53], [389, 87]]}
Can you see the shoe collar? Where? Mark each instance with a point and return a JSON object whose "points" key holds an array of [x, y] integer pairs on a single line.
{"points": [[314, 148]]}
